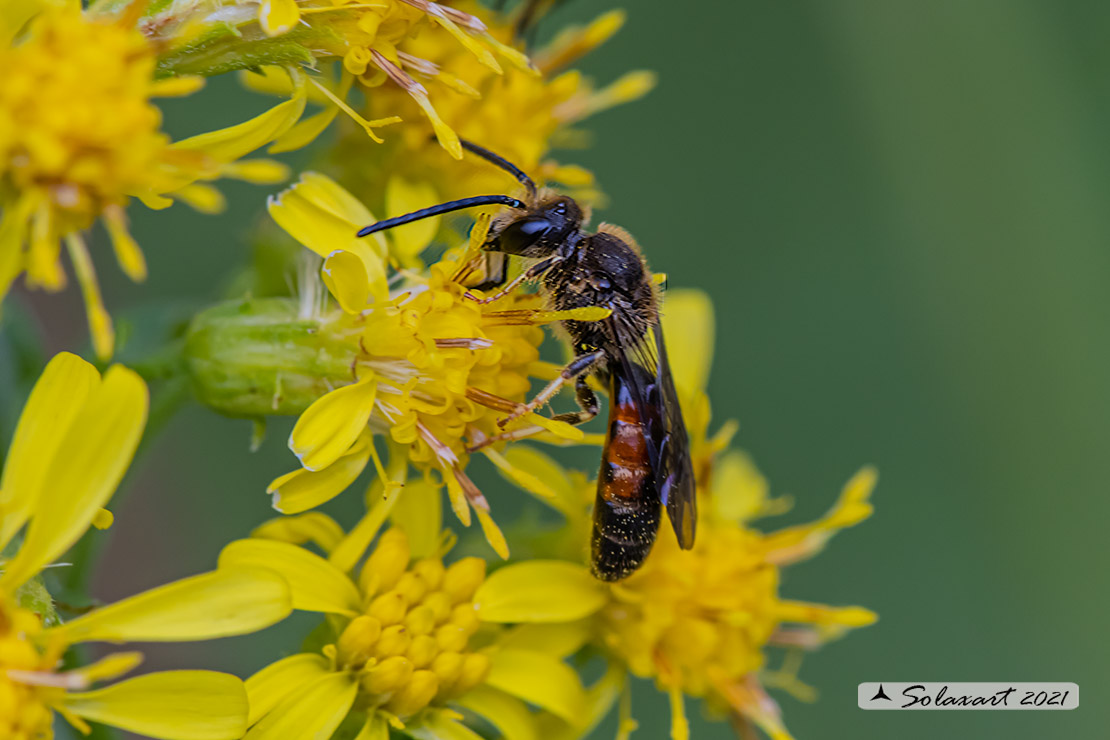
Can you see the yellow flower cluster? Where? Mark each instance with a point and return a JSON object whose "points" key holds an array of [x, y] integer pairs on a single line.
{"points": [[413, 637], [519, 114], [73, 443], [80, 137], [430, 367]]}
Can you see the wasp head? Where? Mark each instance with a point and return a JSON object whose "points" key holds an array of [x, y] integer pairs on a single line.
{"points": [[538, 231]]}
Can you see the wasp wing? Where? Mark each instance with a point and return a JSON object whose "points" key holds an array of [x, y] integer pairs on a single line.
{"points": [[643, 361]]}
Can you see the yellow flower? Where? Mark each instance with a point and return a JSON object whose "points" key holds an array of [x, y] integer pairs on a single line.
{"points": [[367, 40], [518, 114], [411, 640], [698, 621], [408, 355], [73, 443], [80, 137]]}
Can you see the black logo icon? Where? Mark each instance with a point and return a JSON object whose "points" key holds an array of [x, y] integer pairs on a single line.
{"points": [[881, 694]]}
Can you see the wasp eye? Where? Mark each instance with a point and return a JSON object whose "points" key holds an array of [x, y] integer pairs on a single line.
{"points": [[560, 208], [533, 226]]}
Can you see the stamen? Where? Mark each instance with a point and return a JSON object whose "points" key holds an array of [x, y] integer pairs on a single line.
{"points": [[464, 343]]}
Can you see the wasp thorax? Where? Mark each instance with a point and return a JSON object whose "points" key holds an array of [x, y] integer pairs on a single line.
{"points": [[410, 646]]}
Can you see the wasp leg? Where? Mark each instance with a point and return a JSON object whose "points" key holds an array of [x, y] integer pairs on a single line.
{"points": [[587, 403], [530, 274], [577, 366]]}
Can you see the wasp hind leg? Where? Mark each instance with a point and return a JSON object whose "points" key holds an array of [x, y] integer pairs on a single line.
{"points": [[587, 403], [574, 369]]}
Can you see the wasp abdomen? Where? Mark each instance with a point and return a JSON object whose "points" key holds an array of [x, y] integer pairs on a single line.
{"points": [[626, 513]]}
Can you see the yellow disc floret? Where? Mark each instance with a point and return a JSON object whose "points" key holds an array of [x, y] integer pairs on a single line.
{"points": [[409, 648]]}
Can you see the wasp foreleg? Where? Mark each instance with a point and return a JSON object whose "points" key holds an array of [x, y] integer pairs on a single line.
{"points": [[530, 274], [574, 369], [587, 403]]}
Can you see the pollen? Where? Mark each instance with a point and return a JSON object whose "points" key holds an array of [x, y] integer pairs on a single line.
{"points": [[410, 646]]}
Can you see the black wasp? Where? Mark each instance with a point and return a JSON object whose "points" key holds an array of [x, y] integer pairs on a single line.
{"points": [[646, 461]]}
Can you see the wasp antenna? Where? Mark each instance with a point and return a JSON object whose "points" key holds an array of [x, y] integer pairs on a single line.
{"points": [[501, 162], [454, 205]]}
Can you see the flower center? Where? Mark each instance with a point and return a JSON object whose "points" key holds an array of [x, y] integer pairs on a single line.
{"points": [[24, 713], [410, 646], [694, 618], [76, 123]]}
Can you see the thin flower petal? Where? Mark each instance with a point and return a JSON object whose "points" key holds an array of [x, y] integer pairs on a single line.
{"points": [[540, 679], [234, 142], [313, 714], [110, 666], [539, 475], [57, 398], [270, 686], [328, 428], [539, 591], [86, 469], [507, 713], [419, 513], [100, 323], [493, 533], [442, 726], [401, 197], [173, 705], [305, 132], [313, 527], [688, 329], [315, 584], [303, 489], [376, 727], [229, 601]]}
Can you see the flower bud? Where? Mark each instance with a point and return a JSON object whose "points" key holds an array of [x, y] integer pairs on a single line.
{"points": [[431, 570], [440, 605], [420, 620], [447, 666], [387, 676], [465, 616], [258, 357], [475, 668], [356, 644], [412, 586], [394, 641], [422, 651], [415, 695], [389, 608], [451, 637], [463, 578], [386, 564]]}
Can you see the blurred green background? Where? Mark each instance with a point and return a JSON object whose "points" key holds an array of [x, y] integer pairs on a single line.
{"points": [[900, 211]]}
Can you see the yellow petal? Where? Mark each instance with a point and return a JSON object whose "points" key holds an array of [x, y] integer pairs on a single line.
{"points": [[539, 475], [345, 275], [13, 230], [202, 197], [103, 519], [313, 714], [539, 591], [257, 171], [493, 533], [507, 713], [228, 601], [327, 429], [314, 527], [13, 16], [540, 679], [83, 472], [324, 217], [305, 132], [558, 639], [278, 16], [442, 726], [57, 398], [469, 42], [401, 197], [314, 583], [234, 142], [267, 688], [128, 254], [174, 705], [107, 667], [381, 498], [176, 87], [376, 727], [419, 514], [303, 489], [688, 330], [100, 323]]}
